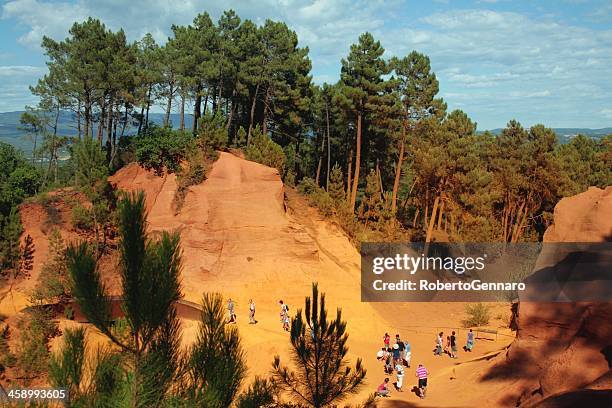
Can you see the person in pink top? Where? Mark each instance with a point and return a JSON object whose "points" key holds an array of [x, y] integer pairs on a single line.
{"points": [[422, 373], [383, 389]]}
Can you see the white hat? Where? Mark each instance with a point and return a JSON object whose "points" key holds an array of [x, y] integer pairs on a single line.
{"points": [[395, 346]]}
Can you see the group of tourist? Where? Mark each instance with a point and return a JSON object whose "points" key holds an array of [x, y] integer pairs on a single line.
{"points": [[397, 356], [284, 313]]}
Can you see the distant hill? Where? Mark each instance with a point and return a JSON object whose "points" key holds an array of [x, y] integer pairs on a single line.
{"points": [[10, 132], [566, 134]]}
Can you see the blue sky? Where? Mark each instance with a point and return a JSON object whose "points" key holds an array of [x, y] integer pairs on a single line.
{"points": [[536, 61]]}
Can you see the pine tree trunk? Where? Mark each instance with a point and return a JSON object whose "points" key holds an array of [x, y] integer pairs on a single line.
{"points": [[357, 163], [78, 117], [252, 114], [148, 107], [432, 219], [169, 106], [140, 119], [264, 125], [441, 213], [109, 132], [182, 126], [328, 148], [320, 159], [349, 186], [231, 112], [398, 171], [101, 123], [196, 108]]}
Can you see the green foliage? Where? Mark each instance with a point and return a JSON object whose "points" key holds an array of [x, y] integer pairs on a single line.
{"points": [[264, 150], [241, 138], [162, 149], [82, 218], [317, 197], [478, 314], [89, 161], [7, 358], [322, 375], [36, 328], [212, 133], [52, 285], [336, 185], [261, 393], [66, 368], [216, 360], [149, 269]]}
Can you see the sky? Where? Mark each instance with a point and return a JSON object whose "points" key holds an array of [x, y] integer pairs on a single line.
{"points": [[536, 61]]}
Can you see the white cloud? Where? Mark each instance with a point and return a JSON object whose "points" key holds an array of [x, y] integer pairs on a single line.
{"points": [[606, 112], [486, 60]]}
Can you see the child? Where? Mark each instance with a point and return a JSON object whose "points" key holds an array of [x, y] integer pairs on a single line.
{"points": [[386, 340]]}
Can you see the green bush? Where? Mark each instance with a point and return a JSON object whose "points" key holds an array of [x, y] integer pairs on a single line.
{"points": [[212, 133], [36, 328], [162, 149], [82, 218], [478, 314], [263, 150]]}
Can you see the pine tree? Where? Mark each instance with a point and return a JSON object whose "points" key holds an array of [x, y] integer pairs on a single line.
{"points": [[336, 185], [322, 376], [149, 271], [362, 81]]}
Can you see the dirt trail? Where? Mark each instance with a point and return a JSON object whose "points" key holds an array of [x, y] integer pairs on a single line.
{"points": [[238, 239]]}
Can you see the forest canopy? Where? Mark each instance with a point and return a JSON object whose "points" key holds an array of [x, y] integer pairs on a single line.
{"points": [[379, 145]]}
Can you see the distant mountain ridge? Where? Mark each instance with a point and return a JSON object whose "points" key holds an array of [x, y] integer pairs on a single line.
{"points": [[11, 133], [568, 133]]}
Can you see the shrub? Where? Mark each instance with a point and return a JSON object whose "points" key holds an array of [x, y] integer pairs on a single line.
{"points": [[478, 314], [81, 218], [162, 149], [263, 150], [192, 172], [36, 328], [212, 133]]}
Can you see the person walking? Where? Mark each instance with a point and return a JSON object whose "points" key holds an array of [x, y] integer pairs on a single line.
{"points": [[383, 389], [439, 342], [470, 341], [400, 377], [407, 353], [421, 374], [252, 312], [231, 311], [453, 345]]}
